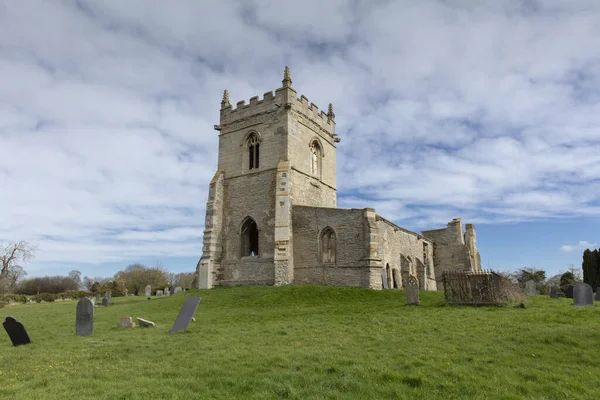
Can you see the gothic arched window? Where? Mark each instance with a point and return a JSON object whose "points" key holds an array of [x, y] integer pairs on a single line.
{"points": [[327, 245], [315, 159], [253, 151], [249, 235]]}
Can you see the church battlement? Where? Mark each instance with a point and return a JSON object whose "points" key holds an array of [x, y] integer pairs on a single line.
{"points": [[284, 97]]}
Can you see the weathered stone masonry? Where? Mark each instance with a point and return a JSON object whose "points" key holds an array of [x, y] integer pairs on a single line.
{"points": [[271, 215]]}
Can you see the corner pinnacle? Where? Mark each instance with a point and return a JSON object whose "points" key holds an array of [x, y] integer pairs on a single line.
{"points": [[225, 101], [287, 80], [330, 113]]}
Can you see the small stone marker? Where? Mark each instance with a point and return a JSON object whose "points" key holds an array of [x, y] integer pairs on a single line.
{"points": [[530, 288], [166, 291], [148, 291], [597, 298], [108, 296], [105, 302], [126, 322], [84, 318], [553, 292], [569, 292], [16, 331], [145, 323], [583, 295], [186, 314], [159, 292], [412, 291], [384, 284]]}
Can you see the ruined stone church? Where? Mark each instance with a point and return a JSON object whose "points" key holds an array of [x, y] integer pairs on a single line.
{"points": [[271, 216]]}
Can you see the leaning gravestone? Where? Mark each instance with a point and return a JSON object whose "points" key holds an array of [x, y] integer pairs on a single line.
{"points": [[530, 288], [84, 318], [186, 314], [412, 291], [16, 331], [105, 302], [145, 323], [597, 298], [569, 292], [583, 295], [148, 291], [384, 284], [553, 292]]}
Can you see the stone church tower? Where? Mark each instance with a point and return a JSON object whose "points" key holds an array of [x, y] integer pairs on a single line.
{"points": [[273, 153]]}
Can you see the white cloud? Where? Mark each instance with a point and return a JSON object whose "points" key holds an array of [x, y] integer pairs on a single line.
{"points": [[489, 111], [582, 245]]}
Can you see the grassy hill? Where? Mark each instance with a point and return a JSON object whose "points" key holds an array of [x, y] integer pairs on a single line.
{"points": [[303, 342]]}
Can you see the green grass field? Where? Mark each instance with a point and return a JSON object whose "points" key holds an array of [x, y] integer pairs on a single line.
{"points": [[306, 342]]}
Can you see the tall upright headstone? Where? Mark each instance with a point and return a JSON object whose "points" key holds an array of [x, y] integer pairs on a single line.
{"points": [[84, 317], [530, 288], [553, 292], [583, 295], [186, 314], [16, 331], [148, 291], [108, 296], [166, 291], [384, 283], [412, 291]]}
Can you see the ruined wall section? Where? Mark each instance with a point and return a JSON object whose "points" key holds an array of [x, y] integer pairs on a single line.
{"points": [[450, 251], [351, 267], [396, 243]]}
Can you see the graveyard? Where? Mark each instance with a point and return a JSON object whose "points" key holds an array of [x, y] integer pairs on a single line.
{"points": [[304, 342]]}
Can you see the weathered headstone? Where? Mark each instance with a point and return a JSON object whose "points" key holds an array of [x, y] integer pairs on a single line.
{"points": [[597, 298], [569, 292], [166, 291], [84, 317], [177, 289], [98, 297], [16, 331], [145, 323], [126, 322], [105, 302], [384, 284], [553, 292], [583, 295], [126, 292], [530, 288], [148, 291], [186, 314], [159, 292], [172, 290], [108, 296], [412, 291]]}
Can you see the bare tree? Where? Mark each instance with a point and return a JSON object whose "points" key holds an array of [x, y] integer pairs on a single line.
{"points": [[12, 254]]}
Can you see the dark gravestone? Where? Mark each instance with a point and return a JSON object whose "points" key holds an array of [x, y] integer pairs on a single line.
{"points": [[569, 292], [84, 319], [553, 292], [384, 284], [583, 295], [16, 331], [172, 290], [597, 298], [186, 314], [105, 302]]}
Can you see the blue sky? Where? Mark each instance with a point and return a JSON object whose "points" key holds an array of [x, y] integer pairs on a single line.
{"points": [[484, 110]]}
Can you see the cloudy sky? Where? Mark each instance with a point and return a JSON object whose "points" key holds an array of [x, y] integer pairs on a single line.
{"points": [[485, 110]]}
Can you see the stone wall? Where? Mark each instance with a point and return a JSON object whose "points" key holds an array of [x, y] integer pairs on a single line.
{"points": [[396, 243], [349, 268]]}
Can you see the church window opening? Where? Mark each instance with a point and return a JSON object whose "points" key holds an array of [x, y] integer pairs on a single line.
{"points": [[249, 238], [315, 158], [253, 152], [328, 246], [425, 253]]}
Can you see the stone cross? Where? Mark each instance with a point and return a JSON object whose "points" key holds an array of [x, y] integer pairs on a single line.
{"points": [[530, 288], [186, 314], [553, 292], [412, 291], [583, 295], [84, 317], [148, 291], [16, 331]]}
